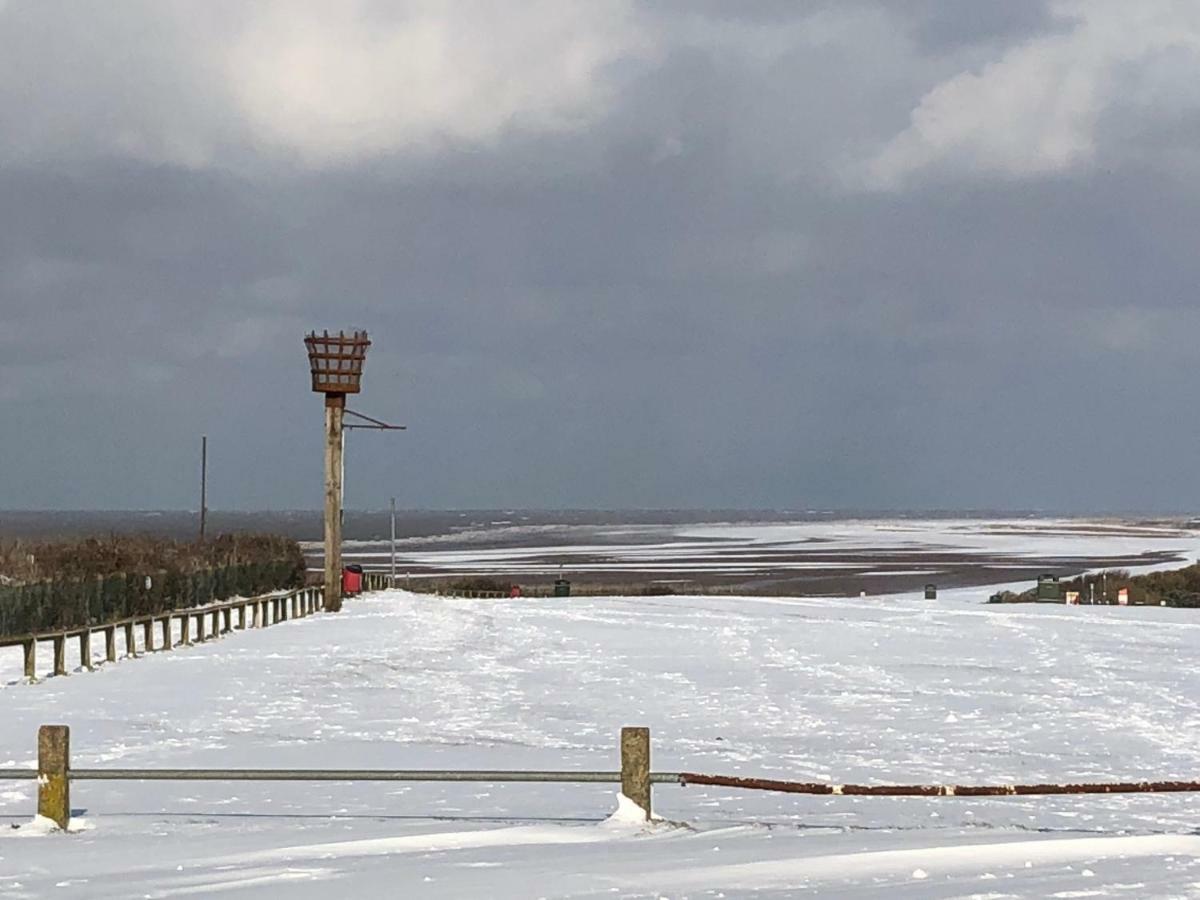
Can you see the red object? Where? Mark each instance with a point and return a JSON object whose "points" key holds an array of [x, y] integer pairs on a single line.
{"points": [[351, 581], [515, 591]]}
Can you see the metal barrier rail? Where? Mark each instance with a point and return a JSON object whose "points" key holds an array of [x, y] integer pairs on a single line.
{"points": [[482, 775], [54, 775], [939, 790]]}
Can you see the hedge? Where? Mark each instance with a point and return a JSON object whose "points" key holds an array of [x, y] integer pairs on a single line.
{"points": [[73, 600]]}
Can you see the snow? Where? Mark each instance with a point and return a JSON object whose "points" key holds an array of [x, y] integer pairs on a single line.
{"points": [[761, 549], [897, 688]]}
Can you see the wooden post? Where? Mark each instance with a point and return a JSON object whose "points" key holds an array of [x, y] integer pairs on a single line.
{"points": [[30, 648], [203, 484], [185, 625], [220, 621], [54, 786], [241, 617], [60, 654], [200, 628], [165, 625], [635, 766], [148, 634], [130, 642], [85, 650], [110, 643], [335, 408]]}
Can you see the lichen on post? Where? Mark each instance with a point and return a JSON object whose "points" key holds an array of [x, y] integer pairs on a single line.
{"points": [[635, 766]]}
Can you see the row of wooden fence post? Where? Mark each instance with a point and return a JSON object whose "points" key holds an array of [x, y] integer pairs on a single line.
{"points": [[208, 623]]}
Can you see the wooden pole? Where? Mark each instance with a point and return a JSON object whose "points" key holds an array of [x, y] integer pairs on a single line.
{"points": [[30, 648], [335, 408], [635, 766], [203, 484], [392, 580], [54, 787]]}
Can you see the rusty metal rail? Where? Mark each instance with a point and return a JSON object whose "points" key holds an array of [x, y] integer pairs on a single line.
{"points": [[939, 790]]}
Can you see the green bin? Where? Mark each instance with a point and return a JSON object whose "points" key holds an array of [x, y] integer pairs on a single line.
{"points": [[562, 588]]}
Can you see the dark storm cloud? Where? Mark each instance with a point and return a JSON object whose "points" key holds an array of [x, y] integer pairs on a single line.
{"points": [[736, 267]]}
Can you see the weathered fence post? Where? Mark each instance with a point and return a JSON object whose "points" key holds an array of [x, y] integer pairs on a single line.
{"points": [[30, 648], [110, 643], [185, 625], [85, 649], [216, 623], [60, 654], [54, 787], [130, 641], [148, 634], [200, 628], [165, 624], [241, 617], [635, 766]]}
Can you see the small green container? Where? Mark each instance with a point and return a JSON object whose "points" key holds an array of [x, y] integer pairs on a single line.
{"points": [[1048, 588], [562, 588]]}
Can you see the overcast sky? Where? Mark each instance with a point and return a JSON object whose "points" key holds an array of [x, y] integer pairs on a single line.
{"points": [[837, 253]]}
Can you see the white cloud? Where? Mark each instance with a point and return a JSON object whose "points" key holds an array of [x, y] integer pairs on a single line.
{"points": [[213, 83], [1036, 109], [332, 82]]}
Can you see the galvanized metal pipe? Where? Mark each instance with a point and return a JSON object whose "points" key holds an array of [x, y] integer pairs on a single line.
{"points": [[18, 774], [342, 775]]}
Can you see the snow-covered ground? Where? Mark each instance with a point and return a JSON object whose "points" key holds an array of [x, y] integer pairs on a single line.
{"points": [[891, 689], [951, 549]]}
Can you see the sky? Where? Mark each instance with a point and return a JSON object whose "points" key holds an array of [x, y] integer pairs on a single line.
{"points": [[684, 253]]}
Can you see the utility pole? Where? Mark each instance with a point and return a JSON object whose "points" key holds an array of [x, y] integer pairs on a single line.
{"points": [[203, 483], [392, 582]]}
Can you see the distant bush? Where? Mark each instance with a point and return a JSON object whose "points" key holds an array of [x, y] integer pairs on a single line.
{"points": [[1009, 597], [491, 585], [657, 590], [1178, 587]]}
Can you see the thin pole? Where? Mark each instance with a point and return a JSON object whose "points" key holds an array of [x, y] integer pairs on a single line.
{"points": [[203, 483], [393, 581]]}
